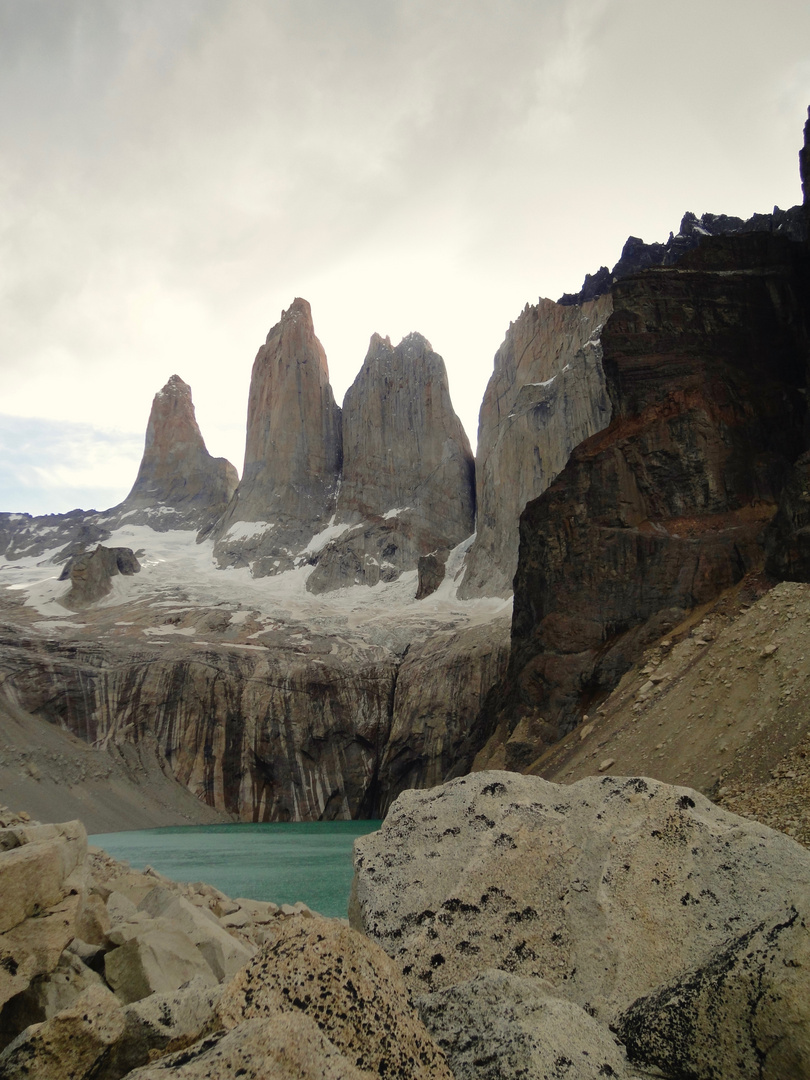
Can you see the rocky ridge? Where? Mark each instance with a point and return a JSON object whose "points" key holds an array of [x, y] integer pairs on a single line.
{"points": [[662, 511], [546, 394]]}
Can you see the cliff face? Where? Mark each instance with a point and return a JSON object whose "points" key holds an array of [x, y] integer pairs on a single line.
{"points": [[279, 724], [292, 453], [705, 366], [546, 394], [177, 472], [407, 486]]}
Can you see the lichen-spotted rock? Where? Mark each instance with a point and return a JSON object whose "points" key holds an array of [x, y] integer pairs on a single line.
{"points": [[605, 888], [348, 986]]}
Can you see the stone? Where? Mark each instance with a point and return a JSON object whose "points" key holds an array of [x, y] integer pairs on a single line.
{"points": [[49, 994], [178, 479], [91, 574], [282, 1046], [499, 1026], [546, 394], [292, 454], [604, 888], [33, 947], [430, 569], [348, 986], [94, 921], [742, 1015], [222, 952], [408, 471], [160, 1024], [69, 1045], [36, 873], [157, 961]]}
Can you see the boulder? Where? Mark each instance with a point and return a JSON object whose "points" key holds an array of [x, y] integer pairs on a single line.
{"points": [[39, 866], [499, 1026], [742, 1015], [33, 947], [161, 1023], [348, 986], [156, 961], [605, 888], [281, 1046], [223, 953], [69, 1045], [91, 574], [48, 994]]}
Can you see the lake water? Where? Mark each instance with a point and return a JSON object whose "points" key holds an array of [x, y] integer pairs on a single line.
{"points": [[309, 861]]}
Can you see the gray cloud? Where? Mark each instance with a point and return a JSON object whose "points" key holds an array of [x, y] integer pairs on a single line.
{"points": [[171, 175]]}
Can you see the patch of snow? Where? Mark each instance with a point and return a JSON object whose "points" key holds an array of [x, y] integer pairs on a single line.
{"points": [[160, 631], [321, 539], [396, 512], [246, 530], [58, 625]]}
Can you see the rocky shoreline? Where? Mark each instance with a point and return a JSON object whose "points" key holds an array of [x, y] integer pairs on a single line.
{"points": [[501, 927]]}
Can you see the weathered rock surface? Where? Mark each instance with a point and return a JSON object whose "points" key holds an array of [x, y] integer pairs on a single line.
{"points": [[284, 1046], [264, 718], [177, 475], [604, 889], [440, 688], [499, 1026], [744, 1015], [348, 986], [546, 394], [69, 1045], [91, 574], [664, 509], [292, 455], [405, 457]]}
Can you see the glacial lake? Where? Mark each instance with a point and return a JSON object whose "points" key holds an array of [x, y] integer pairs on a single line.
{"points": [[309, 861]]}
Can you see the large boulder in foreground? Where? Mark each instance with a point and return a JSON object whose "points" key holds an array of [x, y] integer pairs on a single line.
{"points": [[745, 1014], [605, 889], [345, 984]]}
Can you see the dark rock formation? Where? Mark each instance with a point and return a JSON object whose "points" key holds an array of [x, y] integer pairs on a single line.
{"points": [[430, 570], [705, 366], [292, 455], [91, 574], [546, 394], [407, 485], [637, 256], [177, 473]]}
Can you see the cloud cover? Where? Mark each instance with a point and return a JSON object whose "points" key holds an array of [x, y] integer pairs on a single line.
{"points": [[172, 175]]}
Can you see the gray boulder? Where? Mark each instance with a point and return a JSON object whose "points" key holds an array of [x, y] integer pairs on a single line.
{"points": [[282, 1046], [605, 888], [499, 1026], [743, 1015], [156, 961]]}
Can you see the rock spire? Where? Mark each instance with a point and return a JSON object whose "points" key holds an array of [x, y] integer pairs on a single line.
{"points": [[292, 454], [177, 472], [408, 472]]}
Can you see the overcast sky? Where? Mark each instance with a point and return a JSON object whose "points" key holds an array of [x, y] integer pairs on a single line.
{"points": [[173, 174]]}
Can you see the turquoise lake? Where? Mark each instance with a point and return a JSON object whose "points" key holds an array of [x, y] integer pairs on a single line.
{"points": [[309, 861]]}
